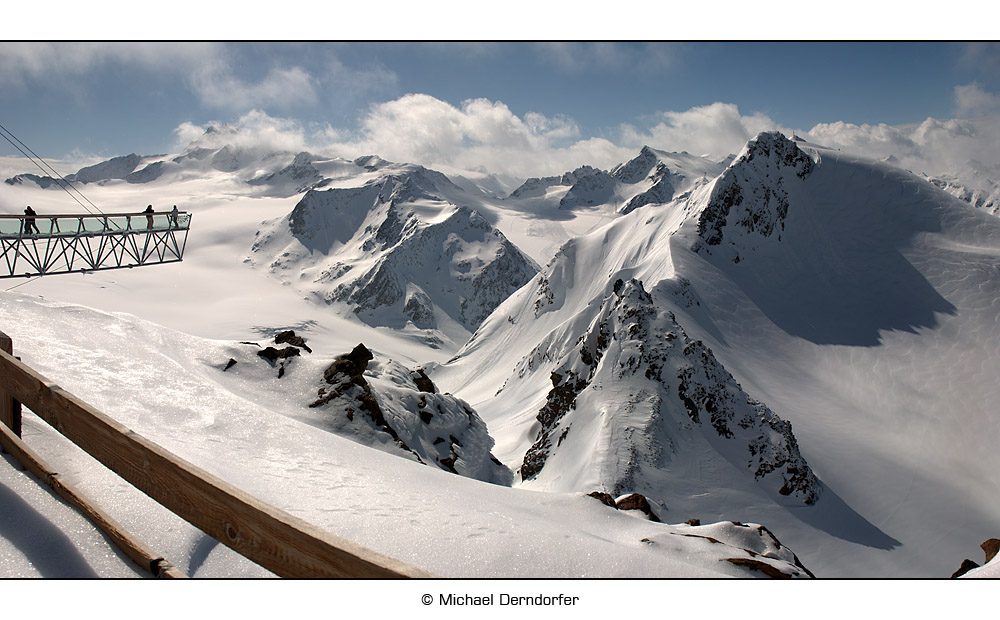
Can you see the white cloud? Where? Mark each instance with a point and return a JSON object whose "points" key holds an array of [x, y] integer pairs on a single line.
{"points": [[217, 86], [933, 146], [714, 130], [972, 100], [479, 133], [255, 131]]}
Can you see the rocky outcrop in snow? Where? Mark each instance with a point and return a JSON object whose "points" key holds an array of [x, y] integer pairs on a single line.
{"points": [[386, 404]]}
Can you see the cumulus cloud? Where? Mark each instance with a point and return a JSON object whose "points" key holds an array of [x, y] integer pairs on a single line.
{"points": [[477, 134], [714, 130], [934, 147]]}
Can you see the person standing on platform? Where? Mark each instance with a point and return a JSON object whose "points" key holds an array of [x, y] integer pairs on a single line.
{"points": [[29, 221]]}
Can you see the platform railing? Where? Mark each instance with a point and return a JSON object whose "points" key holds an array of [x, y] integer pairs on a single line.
{"points": [[276, 540], [50, 244]]}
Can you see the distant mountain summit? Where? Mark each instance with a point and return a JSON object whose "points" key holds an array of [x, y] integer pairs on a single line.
{"points": [[396, 250], [977, 184], [652, 177]]}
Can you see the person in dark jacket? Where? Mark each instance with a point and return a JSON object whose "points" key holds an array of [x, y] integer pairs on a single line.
{"points": [[149, 216], [29, 221]]}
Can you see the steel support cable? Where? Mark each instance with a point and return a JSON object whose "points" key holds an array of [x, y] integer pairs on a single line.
{"points": [[42, 165]]}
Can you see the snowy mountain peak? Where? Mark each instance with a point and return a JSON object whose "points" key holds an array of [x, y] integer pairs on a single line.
{"points": [[652, 177], [636, 374], [750, 199], [637, 168], [396, 250], [371, 163]]}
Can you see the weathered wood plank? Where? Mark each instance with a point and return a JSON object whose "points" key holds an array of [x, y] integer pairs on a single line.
{"points": [[138, 552], [10, 409], [269, 536]]}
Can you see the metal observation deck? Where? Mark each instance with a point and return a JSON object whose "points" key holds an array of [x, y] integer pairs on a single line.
{"points": [[79, 243]]}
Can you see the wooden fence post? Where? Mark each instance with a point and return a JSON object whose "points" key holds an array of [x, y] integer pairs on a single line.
{"points": [[10, 409]]}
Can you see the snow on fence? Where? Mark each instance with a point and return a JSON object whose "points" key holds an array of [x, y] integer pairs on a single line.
{"points": [[274, 539]]}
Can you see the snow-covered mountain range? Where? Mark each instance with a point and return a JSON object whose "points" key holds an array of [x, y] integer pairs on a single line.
{"points": [[793, 336]]}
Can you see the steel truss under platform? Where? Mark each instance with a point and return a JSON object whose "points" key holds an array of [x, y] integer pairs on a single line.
{"points": [[52, 244]]}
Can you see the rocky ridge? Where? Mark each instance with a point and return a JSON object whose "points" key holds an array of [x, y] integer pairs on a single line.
{"points": [[676, 387], [652, 177], [749, 201]]}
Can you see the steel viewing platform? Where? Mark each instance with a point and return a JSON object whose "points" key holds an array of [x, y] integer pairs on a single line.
{"points": [[81, 243]]}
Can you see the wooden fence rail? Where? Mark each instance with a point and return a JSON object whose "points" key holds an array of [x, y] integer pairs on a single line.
{"points": [[280, 542]]}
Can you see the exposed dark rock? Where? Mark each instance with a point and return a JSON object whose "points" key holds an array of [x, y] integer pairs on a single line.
{"points": [[693, 522], [990, 548], [346, 373], [636, 501], [420, 310], [423, 382], [966, 566], [714, 541], [352, 364], [289, 337], [229, 364], [560, 400], [272, 355], [757, 565], [646, 340], [603, 497]]}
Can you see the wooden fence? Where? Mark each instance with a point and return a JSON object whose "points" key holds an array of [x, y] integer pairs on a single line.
{"points": [[269, 536]]}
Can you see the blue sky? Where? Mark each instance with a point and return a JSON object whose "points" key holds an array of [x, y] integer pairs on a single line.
{"points": [[75, 100]]}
